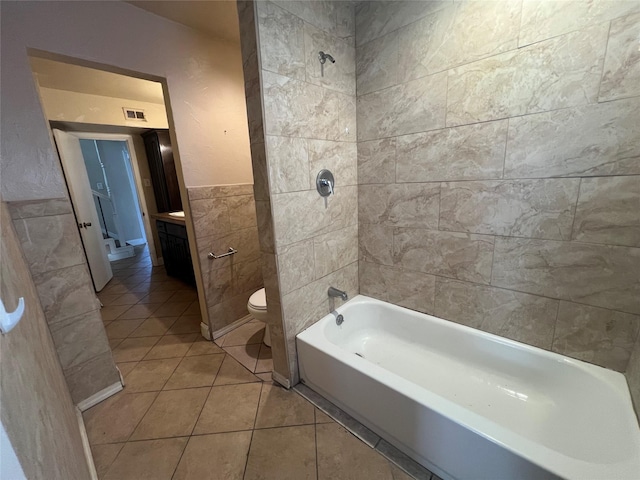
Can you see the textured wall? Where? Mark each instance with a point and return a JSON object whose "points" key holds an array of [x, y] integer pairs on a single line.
{"points": [[51, 244], [225, 216], [301, 122], [37, 411], [498, 163]]}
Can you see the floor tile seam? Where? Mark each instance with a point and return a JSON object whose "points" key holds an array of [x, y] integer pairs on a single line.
{"points": [[246, 463], [201, 386]]}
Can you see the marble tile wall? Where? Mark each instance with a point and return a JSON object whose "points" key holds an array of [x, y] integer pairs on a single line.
{"points": [[53, 250], [225, 216], [499, 168], [308, 119]]}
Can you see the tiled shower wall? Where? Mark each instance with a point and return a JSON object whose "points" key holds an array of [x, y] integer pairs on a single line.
{"points": [[225, 216], [54, 253], [498, 168], [301, 121]]}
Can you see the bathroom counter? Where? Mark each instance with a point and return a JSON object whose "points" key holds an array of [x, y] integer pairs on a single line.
{"points": [[165, 217]]}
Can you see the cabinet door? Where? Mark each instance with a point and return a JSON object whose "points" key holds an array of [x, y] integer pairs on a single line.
{"points": [[156, 167], [170, 172]]}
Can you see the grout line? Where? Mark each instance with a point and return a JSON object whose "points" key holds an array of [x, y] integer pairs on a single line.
{"points": [[575, 211], [604, 60]]}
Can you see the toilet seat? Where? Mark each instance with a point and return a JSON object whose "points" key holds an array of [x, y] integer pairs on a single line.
{"points": [[258, 300]]}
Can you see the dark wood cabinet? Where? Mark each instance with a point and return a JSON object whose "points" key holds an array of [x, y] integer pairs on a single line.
{"points": [[164, 178], [175, 251]]}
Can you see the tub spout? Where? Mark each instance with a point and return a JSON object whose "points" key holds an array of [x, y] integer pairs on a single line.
{"points": [[334, 292]]}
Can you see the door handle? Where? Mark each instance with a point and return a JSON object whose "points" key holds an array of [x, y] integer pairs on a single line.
{"points": [[85, 224], [80, 225]]}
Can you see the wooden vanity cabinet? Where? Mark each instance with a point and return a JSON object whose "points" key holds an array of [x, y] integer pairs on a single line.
{"points": [[175, 251], [164, 178]]}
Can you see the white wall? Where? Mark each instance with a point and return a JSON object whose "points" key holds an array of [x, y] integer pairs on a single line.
{"points": [[68, 106], [204, 79]]}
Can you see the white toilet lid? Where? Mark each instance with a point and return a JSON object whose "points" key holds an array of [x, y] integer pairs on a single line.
{"points": [[258, 300]]}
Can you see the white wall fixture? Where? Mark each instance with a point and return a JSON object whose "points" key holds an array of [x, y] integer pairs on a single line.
{"points": [[10, 320]]}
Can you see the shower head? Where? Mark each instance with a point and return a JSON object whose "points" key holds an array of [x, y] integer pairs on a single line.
{"points": [[324, 57]]}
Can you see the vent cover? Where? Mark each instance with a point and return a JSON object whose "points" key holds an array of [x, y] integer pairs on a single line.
{"points": [[134, 115]]}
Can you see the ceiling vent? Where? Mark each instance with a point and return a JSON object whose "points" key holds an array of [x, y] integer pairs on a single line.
{"points": [[134, 115]]}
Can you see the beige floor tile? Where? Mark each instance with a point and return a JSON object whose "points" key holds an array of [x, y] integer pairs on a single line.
{"points": [[122, 328], [281, 408], [221, 456], [184, 296], [287, 453], [165, 286], [126, 367], [112, 312], [342, 455], [171, 346], [153, 326], [115, 419], [198, 371], [115, 288], [150, 460], [104, 455], [186, 324], [172, 309], [127, 299], [247, 334], [154, 297], [142, 310], [232, 372], [150, 375], [134, 349], [203, 346], [143, 287], [229, 408], [265, 361], [265, 377], [172, 414], [246, 355], [108, 299], [193, 309], [114, 342], [322, 417]]}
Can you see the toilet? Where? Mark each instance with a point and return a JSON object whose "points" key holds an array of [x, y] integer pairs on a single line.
{"points": [[257, 307]]}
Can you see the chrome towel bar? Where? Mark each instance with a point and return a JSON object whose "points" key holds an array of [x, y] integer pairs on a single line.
{"points": [[231, 251]]}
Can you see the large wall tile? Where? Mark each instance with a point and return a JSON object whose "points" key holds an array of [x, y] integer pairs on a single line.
{"points": [[455, 255], [245, 241], [229, 310], [621, 76], [79, 339], [301, 215], [377, 64], [242, 212], [377, 161], [320, 13], [402, 205], [608, 211], [633, 377], [296, 265], [50, 243], [288, 160], [346, 21], [518, 82], [414, 290], [282, 41], [265, 227], [335, 250], [219, 191], [67, 292], [546, 19], [456, 35], [376, 243], [472, 152], [210, 217], [308, 304], [341, 75], [411, 107], [526, 318], [217, 282], [247, 277], [339, 157], [597, 275], [586, 141], [518, 208], [91, 376], [377, 18], [40, 208], [596, 335]]}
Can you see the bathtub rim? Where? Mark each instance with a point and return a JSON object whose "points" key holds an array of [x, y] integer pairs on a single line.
{"points": [[538, 454]]}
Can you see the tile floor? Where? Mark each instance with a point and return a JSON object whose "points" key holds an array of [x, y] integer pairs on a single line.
{"points": [[193, 409]]}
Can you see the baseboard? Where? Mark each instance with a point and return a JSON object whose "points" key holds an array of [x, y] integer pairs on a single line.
{"points": [[136, 242], [281, 380], [231, 326], [205, 331], [86, 446], [98, 397]]}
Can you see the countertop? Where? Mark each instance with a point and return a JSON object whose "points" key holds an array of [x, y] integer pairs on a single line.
{"points": [[165, 217]]}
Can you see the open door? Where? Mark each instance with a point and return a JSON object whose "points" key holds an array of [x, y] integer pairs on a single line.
{"points": [[83, 204]]}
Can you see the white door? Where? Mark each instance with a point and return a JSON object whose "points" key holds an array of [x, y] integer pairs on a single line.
{"points": [[79, 188]]}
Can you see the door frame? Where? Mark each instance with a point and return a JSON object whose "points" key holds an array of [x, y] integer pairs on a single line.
{"points": [[133, 160]]}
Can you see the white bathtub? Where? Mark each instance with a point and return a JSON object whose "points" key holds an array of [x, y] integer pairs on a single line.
{"points": [[471, 405]]}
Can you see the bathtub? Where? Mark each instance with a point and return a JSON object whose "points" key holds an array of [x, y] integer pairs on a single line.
{"points": [[467, 404]]}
